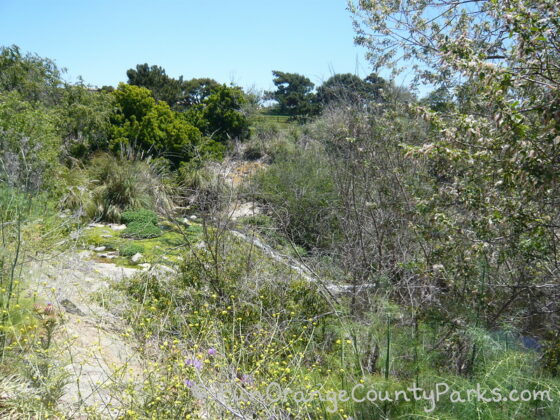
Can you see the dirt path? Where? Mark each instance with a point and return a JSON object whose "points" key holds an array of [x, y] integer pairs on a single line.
{"points": [[98, 357]]}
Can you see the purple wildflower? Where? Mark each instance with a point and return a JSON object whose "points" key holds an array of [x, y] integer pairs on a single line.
{"points": [[212, 351], [188, 383], [195, 363]]}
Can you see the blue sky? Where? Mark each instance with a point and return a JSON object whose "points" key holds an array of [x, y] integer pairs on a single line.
{"points": [[231, 41]]}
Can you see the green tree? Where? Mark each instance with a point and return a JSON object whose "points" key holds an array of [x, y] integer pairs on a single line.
{"points": [[491, 216], [439, 100], [152, 127], [221, 114], [349, 88], [195, 91], [29, 143], [35, 78], [294, 95], [154, 78], [85, 120]]}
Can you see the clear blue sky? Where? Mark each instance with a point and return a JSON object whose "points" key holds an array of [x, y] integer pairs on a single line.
{"points": [[240, 41]]}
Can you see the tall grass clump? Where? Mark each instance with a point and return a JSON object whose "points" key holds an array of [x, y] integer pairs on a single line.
{"points": [[111, 185]]}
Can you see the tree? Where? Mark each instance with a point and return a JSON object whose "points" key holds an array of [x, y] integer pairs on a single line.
{"points": [[294, 94], [492, 217], [35, 78], [195, 91], [85, 120], [29, 143], [348, 88], [222, 114], [154, 78], [152, 127], [439, 100]]}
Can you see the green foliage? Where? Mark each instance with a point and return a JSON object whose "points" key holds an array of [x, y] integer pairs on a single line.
{"points": [[294, 94], [488, 222], [439, 100], [110, 186], [350, 89], [34, 78], [152, 127], [154, 78], [300, 190], [141, 230], [221, 114], [167, 248], [141, 224], [179, 94], [259, 220], [29, 143], [129, 250], [85, 120], [196, 91], [141, 215]]}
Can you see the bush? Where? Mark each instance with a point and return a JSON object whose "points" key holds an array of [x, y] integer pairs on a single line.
{"points": [[129, 250], [203, 188], [29, 144], [142, 216], [110, 186], [301, 192], [141, 230]]}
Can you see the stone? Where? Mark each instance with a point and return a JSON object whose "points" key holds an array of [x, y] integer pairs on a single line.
{"points": [[245, 210], [71, 308], [100, 249], [117, 227], [109, 255], [96, 225], [193, 217], [136, 258]]}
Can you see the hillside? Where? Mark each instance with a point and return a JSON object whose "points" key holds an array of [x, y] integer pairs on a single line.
{"points": [[177, 248]]}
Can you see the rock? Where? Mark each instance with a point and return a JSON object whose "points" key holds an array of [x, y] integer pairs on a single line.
{"points": [[245, 210], [106, 236], [96, 225], [136, 258], [145, 266], [100, 249], [193, 217], [185, 221], [163, 269], [117, 227], [109, 255], [71, 308]]}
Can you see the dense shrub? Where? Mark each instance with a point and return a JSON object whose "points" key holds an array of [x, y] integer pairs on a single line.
{"points": [[29, 143], [141, 216], [153, 128], [300, 190], [141, 230], [141, 224], [129, 250]]}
